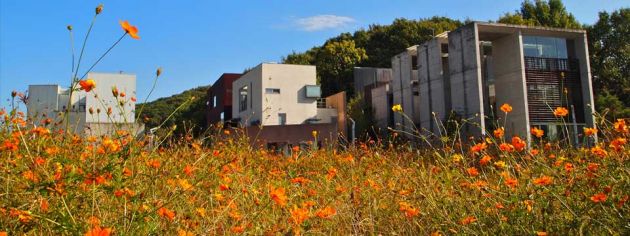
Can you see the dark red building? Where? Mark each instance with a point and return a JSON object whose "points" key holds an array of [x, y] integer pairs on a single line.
{"points": [[219, 97]]}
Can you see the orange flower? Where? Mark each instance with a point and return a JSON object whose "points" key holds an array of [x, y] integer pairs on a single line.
{"points": [[468, 220], [98, 231], [326, 213], [568, 167], [590, 131], [620, 126], [130, 29], [518, 143], [617, 144], [298, 215], [332, 172], [598, 151], [560, 112], [600, 197], [498, 133], [538, 132], [506, 108], [300, 180], [511, 182], [472, 171], [485, 160], [478, 147], [87, 85], [543, 180], [188, 170], [166, 213], [506, 147], [592, 167], [408, 210], [279, 196]]}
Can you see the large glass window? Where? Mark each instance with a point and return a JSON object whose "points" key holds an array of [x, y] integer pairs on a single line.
{"points": [[547, 47], [242, 99]]}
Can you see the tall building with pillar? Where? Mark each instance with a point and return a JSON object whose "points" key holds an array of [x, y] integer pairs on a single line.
{"points": [[471, 71]]}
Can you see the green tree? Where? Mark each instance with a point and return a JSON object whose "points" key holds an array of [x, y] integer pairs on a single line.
{"points": [[550, 13], [335, 63], [610, 60]]}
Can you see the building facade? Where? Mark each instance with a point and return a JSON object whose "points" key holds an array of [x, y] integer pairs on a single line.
{"points": [[373, 85], [274, 98], [219, 99], [109, 114], [471, 71]]}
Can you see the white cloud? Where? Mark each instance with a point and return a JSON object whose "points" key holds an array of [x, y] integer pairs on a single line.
{"points": [[323, 22]]}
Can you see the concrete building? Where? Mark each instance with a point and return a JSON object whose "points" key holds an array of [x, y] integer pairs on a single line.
{"points": [[476, 68], [116, 113], [219, 99], [275, 97], [404, 87], [374, 86]]}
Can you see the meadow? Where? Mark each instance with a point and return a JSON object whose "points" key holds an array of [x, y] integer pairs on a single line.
{"points": [[59, 183]]}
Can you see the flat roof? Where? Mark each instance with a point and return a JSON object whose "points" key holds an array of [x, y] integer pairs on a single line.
{"points": [[491, 31]]}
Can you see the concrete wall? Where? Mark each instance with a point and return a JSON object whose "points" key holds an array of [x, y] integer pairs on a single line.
{"points": [[465, 76], [581, 53], [292, 134], [402, 75], [253, 111], [381, 107], [510, 84], [365, 76], [126, 83], [42, 101], [432, 88]]}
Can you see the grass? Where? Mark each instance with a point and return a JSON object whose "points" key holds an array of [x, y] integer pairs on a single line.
{"points": [[65, 184]]}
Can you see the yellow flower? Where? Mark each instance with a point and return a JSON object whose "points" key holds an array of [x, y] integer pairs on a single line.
{"points": [[314, 133], [397, 108]]}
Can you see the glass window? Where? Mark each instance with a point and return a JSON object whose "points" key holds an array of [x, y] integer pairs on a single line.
{"points": [[242, 100], [313, 91], [282, 118], [272, 91], [546, 47], [214, 101]]}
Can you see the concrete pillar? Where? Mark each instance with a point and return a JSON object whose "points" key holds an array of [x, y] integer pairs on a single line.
{"points": [[466, 80], [581, 53], [510, 84]]}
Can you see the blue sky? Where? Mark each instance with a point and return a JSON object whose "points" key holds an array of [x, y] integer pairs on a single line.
{"points": [[196, 41]]}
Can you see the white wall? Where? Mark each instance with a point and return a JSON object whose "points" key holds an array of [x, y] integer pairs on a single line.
{"points": [[292, 100], [104, 83]]}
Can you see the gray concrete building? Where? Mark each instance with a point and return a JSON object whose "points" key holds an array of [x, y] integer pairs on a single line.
{"points": [[476, 68], [373, 85], [404, 87], [473, 70]]}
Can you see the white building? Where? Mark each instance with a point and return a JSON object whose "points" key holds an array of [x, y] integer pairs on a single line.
{"points": [[278, 94], [52, 101]]}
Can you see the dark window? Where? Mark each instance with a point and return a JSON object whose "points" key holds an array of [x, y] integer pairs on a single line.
{"points": [[282, 118], [242, 100]]}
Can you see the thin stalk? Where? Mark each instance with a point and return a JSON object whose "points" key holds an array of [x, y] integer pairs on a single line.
{"points": [[104, 54], [146, 99], [74, 77]]}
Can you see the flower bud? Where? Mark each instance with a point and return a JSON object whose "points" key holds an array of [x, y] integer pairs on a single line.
{"points": [[158, 72], [99, 8], [91, 110], [69, 27], [13, 93]]}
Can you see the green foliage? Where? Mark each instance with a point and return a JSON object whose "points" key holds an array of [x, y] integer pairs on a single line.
{"points": [[550, 13], [335, 63], [609, 105], [363, 115], [610, 57], [156, 112]]}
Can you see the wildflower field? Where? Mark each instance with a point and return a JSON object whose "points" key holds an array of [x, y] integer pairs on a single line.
{"points": [[56, 183]]}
